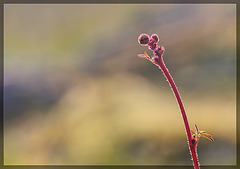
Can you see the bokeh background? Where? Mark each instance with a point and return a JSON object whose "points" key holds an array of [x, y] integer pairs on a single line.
{"points": [[75, 91]]}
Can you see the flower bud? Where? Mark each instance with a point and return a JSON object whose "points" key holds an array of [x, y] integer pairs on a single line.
{"points": [[143, 39], [155, 37]]}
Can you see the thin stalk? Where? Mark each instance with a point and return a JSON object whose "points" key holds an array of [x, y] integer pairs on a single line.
{"points": [[157, 59], [160, 63]]}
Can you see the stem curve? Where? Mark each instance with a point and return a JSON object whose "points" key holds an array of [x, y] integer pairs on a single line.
{"points": [[160, 63]]}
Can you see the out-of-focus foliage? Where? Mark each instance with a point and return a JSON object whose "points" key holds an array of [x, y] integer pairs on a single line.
{"points": [[76, 93]]}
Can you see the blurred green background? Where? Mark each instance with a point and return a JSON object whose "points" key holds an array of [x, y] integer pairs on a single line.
{"points": [[75, 91]]}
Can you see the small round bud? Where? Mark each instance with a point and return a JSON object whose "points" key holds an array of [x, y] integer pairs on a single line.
{"points": [[155, 59], [155, 37], [143, 39]]}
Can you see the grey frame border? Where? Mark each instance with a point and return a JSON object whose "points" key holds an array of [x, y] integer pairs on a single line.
{"points": [[3, 2]]}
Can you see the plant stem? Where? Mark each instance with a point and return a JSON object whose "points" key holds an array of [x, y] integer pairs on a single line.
{"points": [[160, 63]]}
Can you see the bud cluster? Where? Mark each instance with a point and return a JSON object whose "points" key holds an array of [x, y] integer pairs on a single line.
{"points": [[151, 42]]}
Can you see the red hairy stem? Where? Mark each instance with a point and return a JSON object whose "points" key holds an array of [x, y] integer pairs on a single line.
{"points": [[160, 63], [157, 59]]}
